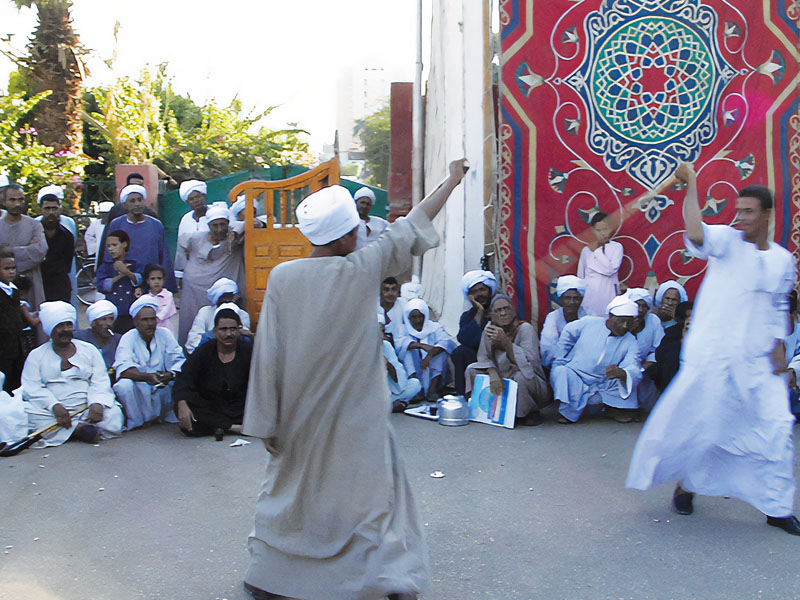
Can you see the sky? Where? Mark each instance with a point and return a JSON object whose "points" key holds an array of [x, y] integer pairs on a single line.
{"points": [[268, 52]]}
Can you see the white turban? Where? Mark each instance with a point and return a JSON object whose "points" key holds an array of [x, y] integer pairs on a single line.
{"points": [[622, 306], [670, 285], [54, 190], [570, 282], [218, 211], [222, 286], [142, 302], [637, 294], [52, 314], [4, 181], [411, 290], [227, 306], [193, 185], [364, 192], [132, 189], [238, 207], [327, 215], [101, 308], [472, 278], [105, 207]]}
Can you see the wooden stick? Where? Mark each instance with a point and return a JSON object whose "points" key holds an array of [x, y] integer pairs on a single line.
{"points": [[31, 438]]}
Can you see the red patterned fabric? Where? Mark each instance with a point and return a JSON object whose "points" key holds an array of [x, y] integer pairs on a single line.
{"points": [[603, 99]]}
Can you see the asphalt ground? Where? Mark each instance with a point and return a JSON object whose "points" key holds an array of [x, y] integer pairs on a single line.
{"points": [[521, 514]]}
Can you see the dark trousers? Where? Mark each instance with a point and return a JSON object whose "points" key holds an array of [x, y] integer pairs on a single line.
{"points": [[207, 419], [462, 357]]}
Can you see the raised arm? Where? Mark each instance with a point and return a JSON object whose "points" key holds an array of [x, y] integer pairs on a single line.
{"points": [[692, 218], [434, 202]]}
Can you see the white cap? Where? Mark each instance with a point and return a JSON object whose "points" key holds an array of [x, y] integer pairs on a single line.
{"points": [[327, 215]]}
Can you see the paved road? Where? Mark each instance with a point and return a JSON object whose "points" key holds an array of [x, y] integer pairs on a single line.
{"points": [[523, 514]]}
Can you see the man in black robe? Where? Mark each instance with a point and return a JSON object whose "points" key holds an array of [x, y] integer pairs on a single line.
{"points": [[60, 251]]}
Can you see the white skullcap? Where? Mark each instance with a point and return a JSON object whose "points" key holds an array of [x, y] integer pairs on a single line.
{"points": [[55, 313], [570, 282], [238, 207], [227, 306], [670, 285], [472, 278], [101, 308], [105, 207], [141, 302], [132, 189], [622, 306], [193, 185], [53, 189], [327, 215], [364, 192], [4, 182], [411, 290], [636, 294], [218, 211], [222, 286]]}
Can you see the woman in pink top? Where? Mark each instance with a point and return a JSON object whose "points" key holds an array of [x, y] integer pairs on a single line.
{"points": [[599, 265], [166, 314]]}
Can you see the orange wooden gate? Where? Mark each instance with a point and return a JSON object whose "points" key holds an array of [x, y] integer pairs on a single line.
{"points": [[281, 239]]}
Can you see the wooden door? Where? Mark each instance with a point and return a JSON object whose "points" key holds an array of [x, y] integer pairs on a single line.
{"points": [[281, 239]]}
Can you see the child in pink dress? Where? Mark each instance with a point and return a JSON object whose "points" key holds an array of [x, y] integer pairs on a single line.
{"points": [[167, 314]]}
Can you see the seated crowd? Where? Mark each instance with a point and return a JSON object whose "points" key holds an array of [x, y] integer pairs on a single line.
{"points": [[141, 360]]}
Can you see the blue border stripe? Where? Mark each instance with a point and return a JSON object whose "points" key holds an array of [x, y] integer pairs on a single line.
{"points": [[512, 25], [785, 17], [519, 274], [786, 180]]}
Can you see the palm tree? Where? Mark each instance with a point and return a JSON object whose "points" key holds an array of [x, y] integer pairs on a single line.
{"points": [[54, 63]]}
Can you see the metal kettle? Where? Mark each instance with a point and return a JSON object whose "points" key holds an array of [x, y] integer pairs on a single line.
{"points": [[453, 411]]}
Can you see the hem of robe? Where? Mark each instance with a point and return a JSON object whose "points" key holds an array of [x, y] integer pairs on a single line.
{"points": [[733, 447]]}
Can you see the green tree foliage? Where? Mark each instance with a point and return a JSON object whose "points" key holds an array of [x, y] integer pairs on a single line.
{"points": [[143, 121], [375, 133], [24, 158]]}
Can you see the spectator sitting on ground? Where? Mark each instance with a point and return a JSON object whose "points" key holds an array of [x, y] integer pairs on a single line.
{"points": [[391, 308], [479, 287], [597, 363], [167, 313], [224, 291], [119, 278], [148, 357], [668, 353], [12, 356], [57, 263], [402, 388], [64, 373], [509, 349], [211, 388], [668, 295], [569, 290], [424, 347], [13, 418], [647, 330], [101, 316]]}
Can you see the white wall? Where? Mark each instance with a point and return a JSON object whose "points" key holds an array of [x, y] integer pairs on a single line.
{"points": [[454, 127]]}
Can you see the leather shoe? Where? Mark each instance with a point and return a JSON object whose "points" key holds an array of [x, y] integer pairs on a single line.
{"points": [[531, 419], [682, 502], [788, 524], [258, 593]]}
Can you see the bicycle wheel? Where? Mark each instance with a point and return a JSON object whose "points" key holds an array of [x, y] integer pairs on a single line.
{"points": [[87, 292]]}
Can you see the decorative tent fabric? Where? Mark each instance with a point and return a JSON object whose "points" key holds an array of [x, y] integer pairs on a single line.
{"points": [[601, 100]]}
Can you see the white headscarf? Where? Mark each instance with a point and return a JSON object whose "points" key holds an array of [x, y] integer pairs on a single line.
{"points": [[472, 278], [101, 308], [218, 211], [670, 285], [428, 326], [193, 185], [142, 302], [636, 294], [222, 286], [132, 189], [622, 306], [570, 282], [227, 306], [238, 207], [54, 190], [55, 313], [327, 215], [364, 192], [105, 207]]}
